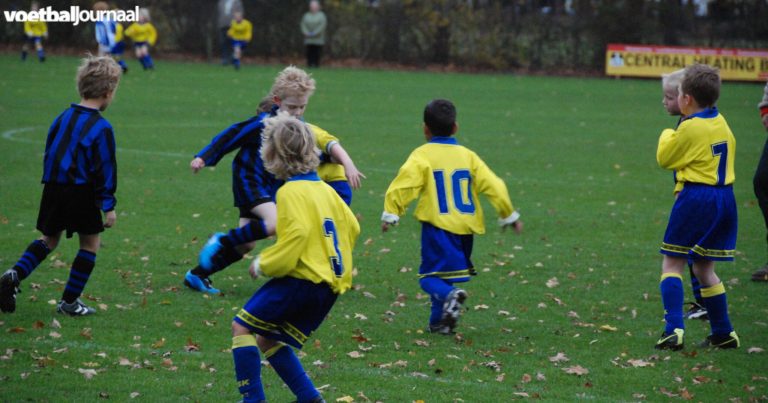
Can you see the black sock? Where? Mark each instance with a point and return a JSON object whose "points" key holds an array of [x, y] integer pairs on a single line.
{"points": [[79, 275]]}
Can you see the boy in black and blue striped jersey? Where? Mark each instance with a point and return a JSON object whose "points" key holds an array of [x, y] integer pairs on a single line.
{"points": [[80, 177]]}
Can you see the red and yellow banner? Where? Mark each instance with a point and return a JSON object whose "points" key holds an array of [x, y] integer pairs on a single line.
{"points": [[653, 61]]}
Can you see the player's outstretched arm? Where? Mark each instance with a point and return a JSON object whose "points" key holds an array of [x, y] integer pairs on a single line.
{"points": [[340, 155], [197, 164]]}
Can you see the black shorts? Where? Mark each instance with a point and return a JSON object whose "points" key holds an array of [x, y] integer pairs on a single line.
{"points": [[70, 208]]}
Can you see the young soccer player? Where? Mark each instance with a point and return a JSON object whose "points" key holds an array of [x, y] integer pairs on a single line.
{"points": [[310, 265], [670, 84], [80, 177], [703, 223], [109, 36], [760, 181], [253, 187], [239, 33], [448, 178], [34, 32], [143, 35]]}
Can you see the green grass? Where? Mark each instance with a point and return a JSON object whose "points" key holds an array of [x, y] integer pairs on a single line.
{"points": [[578, 156]]}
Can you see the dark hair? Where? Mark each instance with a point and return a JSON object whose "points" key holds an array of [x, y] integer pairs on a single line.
{"points": [[440, 117], [702, 83]]}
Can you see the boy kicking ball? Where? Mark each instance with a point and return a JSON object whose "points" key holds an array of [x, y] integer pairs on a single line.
{"points": [[309, 265]]}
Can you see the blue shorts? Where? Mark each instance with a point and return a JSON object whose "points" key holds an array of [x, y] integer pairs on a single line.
{"points": [[241, 44], [444, 254], [343, 189], [703, 224], [35, 39], [140, 44], [287, 309], [118, 49]]}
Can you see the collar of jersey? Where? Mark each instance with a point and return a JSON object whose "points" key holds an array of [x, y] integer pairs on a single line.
{"points": [[310, 176], [84, 108], [443, 140], [708, 113]]}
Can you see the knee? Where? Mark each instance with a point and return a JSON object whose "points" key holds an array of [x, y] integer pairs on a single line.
{"points": [[50, 241], [264, 343], [239, 330]]}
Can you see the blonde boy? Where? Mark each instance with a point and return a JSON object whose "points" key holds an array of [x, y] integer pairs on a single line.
{"points": [[254, 187], [239, 33], [703, 223], [670, 84], [310, 265], [80, 180], [144, 35], [34, 32]]}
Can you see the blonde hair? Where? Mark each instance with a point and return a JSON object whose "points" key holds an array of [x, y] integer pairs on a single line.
{"points": [[288, 147], [672, 79], [144, 13], [293, 81], [97, 76], [265, 105], [100, 6]]}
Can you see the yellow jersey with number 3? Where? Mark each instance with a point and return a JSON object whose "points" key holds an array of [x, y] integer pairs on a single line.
{"points": [[316, 233], [448, 179], [701, 150]]}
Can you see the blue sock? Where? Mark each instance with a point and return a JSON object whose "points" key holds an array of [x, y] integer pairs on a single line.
{"points": [[236, 63], [122, 64], [143, 61], [717, 309], [253, 231], [41, 54], [150, 63], [288, 367], [695, 285], [248, 368], [36, 252], [438, 290], [671, 287], [23, 55], [223, 259], [79, 275]]}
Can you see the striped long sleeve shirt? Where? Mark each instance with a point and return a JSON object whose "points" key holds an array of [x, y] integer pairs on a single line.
{"points": [[80, 150]]}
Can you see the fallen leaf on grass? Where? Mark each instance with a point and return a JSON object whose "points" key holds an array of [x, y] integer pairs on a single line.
{"points": [[576, 370], [87, 333], [540, 377], [521, 394], [481, 306], [87, 373], [158, 344], [17, 330], [500, 378], [38, 325], [355, 354], [755, 350], [526, 378], [360, 316], [667, 393], [54, 335], [55, 324], [347, 399], [191, 346], [559, 357], [639, 363], [134, 395], [552, 283], [608, 328], [421, 343]]}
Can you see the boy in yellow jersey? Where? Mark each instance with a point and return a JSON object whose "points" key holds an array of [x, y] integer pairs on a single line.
{"points": [[670, 84], [239, 33], [253, 187], [143, 35], [448, 179], [34, 32], [703, 222], [309, 265]]}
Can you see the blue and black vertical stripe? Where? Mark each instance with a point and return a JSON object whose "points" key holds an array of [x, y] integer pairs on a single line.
{"points": [[80, 150]]}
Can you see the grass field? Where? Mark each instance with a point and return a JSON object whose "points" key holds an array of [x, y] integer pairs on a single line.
{"points": [[578, 156]]}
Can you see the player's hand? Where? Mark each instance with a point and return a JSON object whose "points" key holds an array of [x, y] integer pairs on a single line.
{"points": [[197, 164], [765, 121], [255, 269], [354, 176], [385, 226], [517, 226], [109, 219]]}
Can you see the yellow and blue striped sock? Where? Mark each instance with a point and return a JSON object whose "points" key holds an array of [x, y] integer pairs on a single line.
{"points": [[671, 287], [288, 367], [248, 368], [717, 308]]}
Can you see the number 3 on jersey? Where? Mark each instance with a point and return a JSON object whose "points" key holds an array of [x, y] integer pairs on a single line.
{"points": [[461, 189], [330, 231]]}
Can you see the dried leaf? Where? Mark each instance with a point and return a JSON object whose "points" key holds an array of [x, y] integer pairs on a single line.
{"points": [[87, 373], [481, 306], [355, 354], [526, 378], [755, 350], [87, 333], [54, 335], [360, 316], [576, 370], [639, 363], [55, 324], [552, 283], [540, 377], [608, 328], [134, 395], [346, 399], [158, 344], [500, 378], [559, 357], [191, 346], [17, 330]]}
